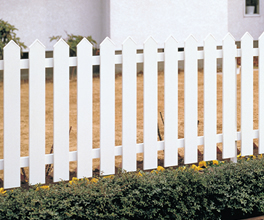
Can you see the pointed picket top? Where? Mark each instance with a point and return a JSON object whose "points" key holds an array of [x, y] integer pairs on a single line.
{"points": [[229, 37], [84, 42], [261, 37], [247, 36], [11, 44], [37, 42], [191, 38], [150, 40], [210, 39], [129, 40], [107, 41], [60, 42], [171, 40]]}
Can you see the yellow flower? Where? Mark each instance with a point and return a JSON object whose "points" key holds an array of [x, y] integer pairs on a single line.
{"points": [[199, 168], [182, 168], [248, 159], [94, 180], [42, 187], [45, 187], [154, 171], [110, 176], [253, 157], [87, 180], [74, 179], [70, 182], [194, 167], [202, 164], [160, 168], [239, 155], [2, 191], [215, 162], [139, 174], [260, 156]]}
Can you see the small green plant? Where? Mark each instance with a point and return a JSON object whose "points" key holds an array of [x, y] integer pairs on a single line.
{"points": [[73, 40], [7, 33], [216, 191]]}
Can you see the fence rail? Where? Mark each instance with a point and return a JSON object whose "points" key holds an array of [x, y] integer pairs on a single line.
{"points": [[37, 159]]}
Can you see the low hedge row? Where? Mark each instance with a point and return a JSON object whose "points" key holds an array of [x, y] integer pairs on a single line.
{"points": [[219, 191]]}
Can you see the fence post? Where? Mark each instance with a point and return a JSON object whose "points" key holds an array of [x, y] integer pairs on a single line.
{"points": [[210, 97], [107, 107], [246, 95], [11, 115], [150, 103], [61, 111], [229, 97], [171, 102], [129, 105], [37, 113], [84, 109], [190, 100]]}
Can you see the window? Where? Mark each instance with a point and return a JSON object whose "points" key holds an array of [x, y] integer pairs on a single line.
{"points": [[252, 7]]}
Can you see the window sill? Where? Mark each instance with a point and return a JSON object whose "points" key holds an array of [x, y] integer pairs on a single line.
{"points": [[251, 15]]}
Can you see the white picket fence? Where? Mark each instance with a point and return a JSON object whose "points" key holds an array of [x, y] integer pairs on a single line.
{"points": [[37, 159]]}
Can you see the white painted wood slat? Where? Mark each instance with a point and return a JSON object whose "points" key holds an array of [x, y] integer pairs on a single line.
{"points": [[210, 111], [11, 115], [129, 105], [261, 94], [171, 102], [246, 95], [150, 104], [84, 109], [107, 107], [190, 100], [229, 97], [37, 113], [61, 111]]}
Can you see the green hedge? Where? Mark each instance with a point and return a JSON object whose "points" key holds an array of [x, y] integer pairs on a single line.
{"points": [[228, 191]]}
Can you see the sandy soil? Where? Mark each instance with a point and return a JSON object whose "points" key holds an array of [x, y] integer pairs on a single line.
{"points": [[96, 111]]}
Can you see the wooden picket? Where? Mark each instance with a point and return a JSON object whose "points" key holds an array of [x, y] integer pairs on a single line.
{"points": [[190, 100], [210, 98], [229, 97], [37, 113], [171, 102], [61, 111], [107, 107], [246, 95], [150, 103], [36, 63], [84, 110], [11, 115], [129, 106]]}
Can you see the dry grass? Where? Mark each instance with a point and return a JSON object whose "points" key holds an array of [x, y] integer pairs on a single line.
{"points": [[118, 130]]}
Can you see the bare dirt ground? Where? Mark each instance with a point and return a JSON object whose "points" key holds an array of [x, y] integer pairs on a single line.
{"points": [[118, 104]]}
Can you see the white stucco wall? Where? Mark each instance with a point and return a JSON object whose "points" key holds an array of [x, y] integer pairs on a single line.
{"points": [[180, 18], [239, 23], [41, 19]]}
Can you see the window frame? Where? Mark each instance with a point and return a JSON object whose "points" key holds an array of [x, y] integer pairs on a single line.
{"points": [[257, 14]]}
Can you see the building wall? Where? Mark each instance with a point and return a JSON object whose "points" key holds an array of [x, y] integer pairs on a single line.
{"points": [[42, 19], [179, 18], [239, 23], [105, 19], [117, 19]]}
